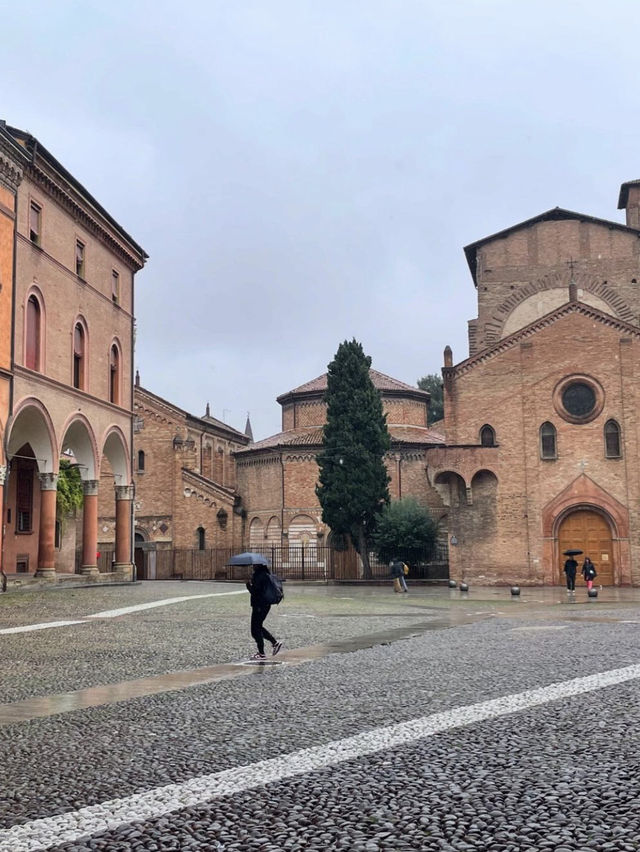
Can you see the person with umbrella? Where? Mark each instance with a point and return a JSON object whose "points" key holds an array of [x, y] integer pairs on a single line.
{"points": [[570, 568], [258, 587]]}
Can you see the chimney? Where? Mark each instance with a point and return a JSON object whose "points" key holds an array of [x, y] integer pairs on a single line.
{"points": [[629, 200]]}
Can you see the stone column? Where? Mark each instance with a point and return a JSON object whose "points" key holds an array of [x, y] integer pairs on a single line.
{"points": [[90, 527], [47, 531], [124, 497]]}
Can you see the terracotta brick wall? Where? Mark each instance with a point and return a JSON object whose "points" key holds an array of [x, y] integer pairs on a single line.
{"points": [[513, 392]]}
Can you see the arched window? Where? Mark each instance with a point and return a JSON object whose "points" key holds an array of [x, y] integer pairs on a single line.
{"points": [[114, 375], [548, 448], [612, 440], [201, 538], [140, 459], [78, 357], [34, 319], [487, 436]]}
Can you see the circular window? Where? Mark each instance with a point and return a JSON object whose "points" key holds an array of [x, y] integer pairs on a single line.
{"points": [[578, 399]]}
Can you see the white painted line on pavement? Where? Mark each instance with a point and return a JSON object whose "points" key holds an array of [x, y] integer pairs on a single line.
{"points": [[44, 626], [125, 610], [39, 834], [114, 613]]}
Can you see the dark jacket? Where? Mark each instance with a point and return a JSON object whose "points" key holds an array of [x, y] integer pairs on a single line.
{"points": [[257, 585], [589, 570], [570, 566], [397, 568]]}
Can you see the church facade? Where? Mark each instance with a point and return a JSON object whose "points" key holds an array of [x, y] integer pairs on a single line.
{"points": [[540, 421]]}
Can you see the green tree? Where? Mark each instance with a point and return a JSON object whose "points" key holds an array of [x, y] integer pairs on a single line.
{"points": [[353, 481], [433, 383], [405, 529], [70, 494]]}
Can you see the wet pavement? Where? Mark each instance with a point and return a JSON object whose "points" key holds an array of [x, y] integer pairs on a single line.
{"points": [[147, 730]]}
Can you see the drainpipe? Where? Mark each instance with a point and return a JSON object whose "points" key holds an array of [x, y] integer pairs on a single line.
{"points": [[132, 415], [282, 500]]}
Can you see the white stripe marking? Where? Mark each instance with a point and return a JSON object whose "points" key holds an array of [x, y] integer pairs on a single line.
{"points": [[125, 610], [67, 828], [44, 626], [114, 613]]}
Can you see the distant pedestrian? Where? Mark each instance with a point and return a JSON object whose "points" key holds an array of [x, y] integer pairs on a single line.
{"points": [[259, 587], [589, 572], [397, 572], [570, 568], [403, 577]]}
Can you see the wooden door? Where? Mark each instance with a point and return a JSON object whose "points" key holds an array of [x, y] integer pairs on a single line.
{"points": [[588, 531]]}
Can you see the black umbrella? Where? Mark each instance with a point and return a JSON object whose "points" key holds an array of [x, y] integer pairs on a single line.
{"points": [[248, 559], [573, 552]]}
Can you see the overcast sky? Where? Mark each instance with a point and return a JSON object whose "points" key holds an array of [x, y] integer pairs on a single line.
{"points": [[307, 171]]}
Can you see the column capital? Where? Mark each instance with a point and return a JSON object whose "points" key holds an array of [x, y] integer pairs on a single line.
{"points": [[48, 481], [124, 492], [90, 487], [3, 473]]}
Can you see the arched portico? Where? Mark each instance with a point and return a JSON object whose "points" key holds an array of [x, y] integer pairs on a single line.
{"points": [[32, 462], [115, 449]]}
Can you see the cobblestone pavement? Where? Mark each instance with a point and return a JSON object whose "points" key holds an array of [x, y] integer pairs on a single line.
{"points": [[451, 738]]}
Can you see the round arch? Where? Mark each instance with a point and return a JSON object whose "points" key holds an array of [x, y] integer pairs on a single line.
{"points": [[31, 424], [256, 533], [115, 449], [273, 533], [591, 529], [78, 439], [451, 487], [80, 348], [36, 293], [302, 530]]}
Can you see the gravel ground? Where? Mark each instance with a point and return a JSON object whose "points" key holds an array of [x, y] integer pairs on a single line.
{"points": [[560, 777]]}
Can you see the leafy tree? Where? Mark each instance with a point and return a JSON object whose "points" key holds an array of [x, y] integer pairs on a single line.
{"points": [[433, 383], [405, 529], [70, 495], [353, 481]]}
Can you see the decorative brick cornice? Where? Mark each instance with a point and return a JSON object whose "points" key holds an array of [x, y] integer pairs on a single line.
{"points": [[83, 213], [10, 172], [293, 457], [256, 461]]}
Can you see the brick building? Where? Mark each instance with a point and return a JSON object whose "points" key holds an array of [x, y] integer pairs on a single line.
{"points": [[185, 483], [72, 363], [539, 447], [277, 476], [541, 420]]}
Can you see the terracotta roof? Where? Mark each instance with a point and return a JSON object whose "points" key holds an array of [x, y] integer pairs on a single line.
{"points": [[311, 436], [380, 381]]}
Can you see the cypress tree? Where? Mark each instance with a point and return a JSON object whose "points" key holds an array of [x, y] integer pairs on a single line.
{"points": [[353, 481]]}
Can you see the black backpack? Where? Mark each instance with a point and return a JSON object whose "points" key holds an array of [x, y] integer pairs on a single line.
{"points": [[273, 591]]}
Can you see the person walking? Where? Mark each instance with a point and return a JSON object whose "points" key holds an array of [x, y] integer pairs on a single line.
{"points": [[397, 572], [589, 572], [257, 587], [402, 578], [570, 568]]}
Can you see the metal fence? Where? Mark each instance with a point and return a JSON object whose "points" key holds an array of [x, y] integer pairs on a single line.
{"points": [[319, 563]]}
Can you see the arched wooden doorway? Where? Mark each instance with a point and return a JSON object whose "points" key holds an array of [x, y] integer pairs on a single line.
{"points": [[590, 532]]}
